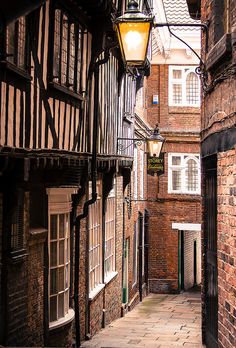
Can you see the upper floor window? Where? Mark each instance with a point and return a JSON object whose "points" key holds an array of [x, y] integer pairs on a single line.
{"points": [[135, 173], [184, 86], [184, 173], [16, 43], [69, 42], [141, 183]]}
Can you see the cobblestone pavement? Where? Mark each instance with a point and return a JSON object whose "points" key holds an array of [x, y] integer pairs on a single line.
{"points": [[160, 321]]}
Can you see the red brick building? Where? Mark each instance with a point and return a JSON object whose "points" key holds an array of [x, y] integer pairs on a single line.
{"points": [[173, 101], [218, 148]]}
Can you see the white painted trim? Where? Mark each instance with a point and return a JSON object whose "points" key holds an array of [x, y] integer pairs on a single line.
{"points": [[62, 321], [186, 226]]}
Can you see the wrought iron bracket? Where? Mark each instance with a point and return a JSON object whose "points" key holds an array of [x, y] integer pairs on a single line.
{"points": [[200, 70], [134, 141]]}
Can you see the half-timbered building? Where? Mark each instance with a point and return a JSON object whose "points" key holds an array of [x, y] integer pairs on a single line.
{"points": [[65, 99]]}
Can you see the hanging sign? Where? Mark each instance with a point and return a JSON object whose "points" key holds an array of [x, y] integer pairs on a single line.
{"points": [[156, 165]]}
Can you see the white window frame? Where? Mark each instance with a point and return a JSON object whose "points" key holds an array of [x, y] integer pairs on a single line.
{"points": [[110, 234], [182, 168], [141, 168], [59, 203], [135, 173], [182, 82], [95, 244]]}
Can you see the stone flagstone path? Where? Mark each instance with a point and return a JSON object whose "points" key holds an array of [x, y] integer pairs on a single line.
{"points": [[160, 321]]}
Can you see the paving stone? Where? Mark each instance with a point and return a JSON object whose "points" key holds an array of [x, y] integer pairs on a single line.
{"points": [[160, 321]]}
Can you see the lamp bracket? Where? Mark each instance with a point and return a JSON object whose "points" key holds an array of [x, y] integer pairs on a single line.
{"points": [[134, 141]]}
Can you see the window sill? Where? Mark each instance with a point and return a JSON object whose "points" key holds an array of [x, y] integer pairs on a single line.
{"points": [[96, 291], [17, 71], [65, 90], [184, 193], [62, 321], [111, 276], [184, 109]]}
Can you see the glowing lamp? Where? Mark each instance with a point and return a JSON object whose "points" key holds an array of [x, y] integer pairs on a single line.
{"points": [[133, 30]]}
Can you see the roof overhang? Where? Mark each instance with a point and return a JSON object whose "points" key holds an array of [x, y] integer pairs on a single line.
{"points": [[194, 8]]}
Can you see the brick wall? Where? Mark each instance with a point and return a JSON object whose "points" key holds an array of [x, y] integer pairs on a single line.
{"points": [[106, 306], [227, 247], [180, 126], [218, 115]]}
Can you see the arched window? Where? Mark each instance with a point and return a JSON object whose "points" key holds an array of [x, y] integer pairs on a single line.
{"points": [[192, 175], [192, 88]]}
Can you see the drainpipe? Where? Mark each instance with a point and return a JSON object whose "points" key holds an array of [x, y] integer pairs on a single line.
{"points": [[93, 199], [140, 256]]}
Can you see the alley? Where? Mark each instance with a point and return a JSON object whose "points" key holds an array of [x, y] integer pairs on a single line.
{"points": [[160, 321]]}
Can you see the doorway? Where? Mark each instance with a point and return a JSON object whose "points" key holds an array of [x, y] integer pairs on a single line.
{"points": [[210, 260]]}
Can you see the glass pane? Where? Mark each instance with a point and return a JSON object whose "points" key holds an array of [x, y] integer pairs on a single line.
{"points": [[53, 227], [177, 74], [66, 232], [192, 89], [10, 42], [61, 306], [21, 43], [56, 60], [66, 277], [53, 308], [176, 180], [66, 301], [176, 160], [192, 175], [61, 284], [53, 254], [64, 50], [177, 94], [61, 252], [61, 226], [53, 282], [66, 250]]}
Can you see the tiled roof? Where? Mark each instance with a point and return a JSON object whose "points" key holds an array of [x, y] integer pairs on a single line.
{"points": [[177, 12]]}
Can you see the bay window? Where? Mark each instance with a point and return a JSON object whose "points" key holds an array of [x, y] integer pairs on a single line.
{"points": [[59, 256]]}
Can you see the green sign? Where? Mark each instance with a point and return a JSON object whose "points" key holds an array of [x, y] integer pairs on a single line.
{"points": [[156, 165]]}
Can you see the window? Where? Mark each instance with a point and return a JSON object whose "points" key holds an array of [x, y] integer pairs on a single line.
{"points": [[184, 86], [141, 173], [110, 227], [184, 173], [135, 253], [16, 43], [69, 42], [135, 172], [17, 223], [95, 243], [59, 256]]}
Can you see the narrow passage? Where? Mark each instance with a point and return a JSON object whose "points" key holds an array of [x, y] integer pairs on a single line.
{"points": [[160, 321]]}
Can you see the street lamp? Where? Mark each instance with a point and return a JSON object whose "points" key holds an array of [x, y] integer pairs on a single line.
{"points": [[155, 143], [133, 30]]}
